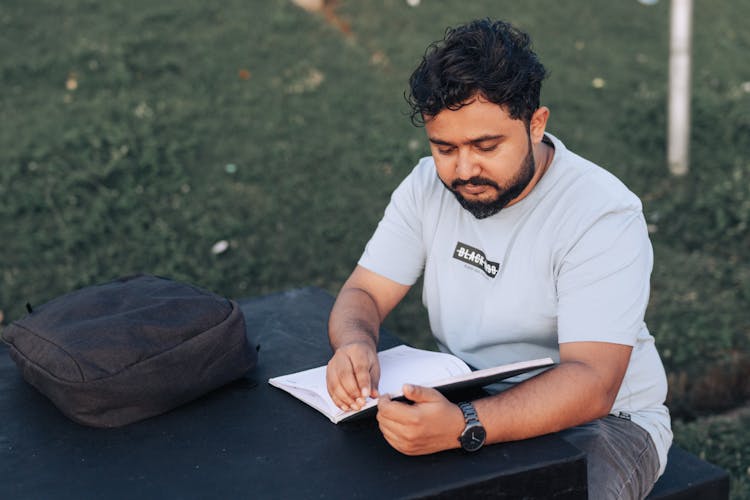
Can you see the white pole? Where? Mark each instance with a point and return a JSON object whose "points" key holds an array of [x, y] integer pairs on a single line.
{"points": [[679, 86], [311, 5]]}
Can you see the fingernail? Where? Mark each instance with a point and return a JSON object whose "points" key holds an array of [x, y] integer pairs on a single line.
{"points": [[365, 392]]}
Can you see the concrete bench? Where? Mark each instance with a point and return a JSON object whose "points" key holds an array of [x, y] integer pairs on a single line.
{"points": [[689, 477]]}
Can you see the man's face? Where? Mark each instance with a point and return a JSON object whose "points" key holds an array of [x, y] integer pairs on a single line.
{"points": [[483, 156]]}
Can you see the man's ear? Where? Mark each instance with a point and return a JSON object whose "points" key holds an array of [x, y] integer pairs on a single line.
{"points": [[538, 124]]}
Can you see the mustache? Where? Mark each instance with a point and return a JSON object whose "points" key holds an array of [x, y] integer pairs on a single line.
{"points": [[476, 181]]}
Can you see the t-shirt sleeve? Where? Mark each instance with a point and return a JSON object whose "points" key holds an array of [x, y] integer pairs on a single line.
{"points": [[396, 249], [603, 282]]}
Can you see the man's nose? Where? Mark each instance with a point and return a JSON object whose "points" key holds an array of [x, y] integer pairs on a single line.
{"points": [[466, 165]]}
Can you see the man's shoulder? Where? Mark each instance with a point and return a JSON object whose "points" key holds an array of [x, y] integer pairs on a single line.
{"points": [[586, 184]]}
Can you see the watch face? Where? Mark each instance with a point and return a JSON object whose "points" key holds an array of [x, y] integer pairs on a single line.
{"points": [[473, 437]]}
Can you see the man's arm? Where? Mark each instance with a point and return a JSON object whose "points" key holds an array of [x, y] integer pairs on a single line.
{"points": [[361, 306], [581, 388]]}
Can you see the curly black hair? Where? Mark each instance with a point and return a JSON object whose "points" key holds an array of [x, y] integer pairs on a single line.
{"points": [[484, 57]]}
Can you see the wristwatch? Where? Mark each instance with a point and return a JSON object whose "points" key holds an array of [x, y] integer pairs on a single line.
{"points": [[473, 436]]}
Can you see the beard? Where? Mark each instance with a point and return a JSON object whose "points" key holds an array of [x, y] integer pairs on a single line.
{"points": [[483, 209]]}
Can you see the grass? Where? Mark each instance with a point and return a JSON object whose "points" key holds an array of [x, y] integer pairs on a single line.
{"points": [[136, 138]]}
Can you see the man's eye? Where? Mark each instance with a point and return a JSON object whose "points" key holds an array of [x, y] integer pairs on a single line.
{"points": [[445, 151], [487, 149]]}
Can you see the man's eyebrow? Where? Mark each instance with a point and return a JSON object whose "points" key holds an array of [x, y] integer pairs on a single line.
{"points": [[439, 142], [488, 137]]}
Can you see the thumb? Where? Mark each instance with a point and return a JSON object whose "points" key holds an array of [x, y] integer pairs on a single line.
{"points": [[421, 394]]}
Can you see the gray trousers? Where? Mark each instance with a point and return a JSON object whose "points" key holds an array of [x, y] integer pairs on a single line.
{"points": [[621, 458]]}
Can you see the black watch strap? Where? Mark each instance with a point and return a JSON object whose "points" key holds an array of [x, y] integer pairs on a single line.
{"points": [[470, 413], [473, 436]]}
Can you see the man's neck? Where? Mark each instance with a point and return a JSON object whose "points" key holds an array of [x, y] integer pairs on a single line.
{"points": [[544, 153]]}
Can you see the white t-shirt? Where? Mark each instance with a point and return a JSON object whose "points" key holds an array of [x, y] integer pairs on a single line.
{"points": [[570, 262]]}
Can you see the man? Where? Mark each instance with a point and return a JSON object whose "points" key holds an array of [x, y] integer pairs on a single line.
{"points": [[527, 250]]}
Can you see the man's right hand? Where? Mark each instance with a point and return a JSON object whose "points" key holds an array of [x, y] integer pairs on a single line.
{"points": [[364, 301], [353, 374]]}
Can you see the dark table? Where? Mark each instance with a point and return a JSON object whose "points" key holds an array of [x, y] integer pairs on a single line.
{"points": [[250, 440]]}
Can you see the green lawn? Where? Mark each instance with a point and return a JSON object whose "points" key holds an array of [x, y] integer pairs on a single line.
{"points": [[134, 138]]}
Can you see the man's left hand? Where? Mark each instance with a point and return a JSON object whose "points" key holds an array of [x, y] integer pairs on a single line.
{"points": [[430, 424]]}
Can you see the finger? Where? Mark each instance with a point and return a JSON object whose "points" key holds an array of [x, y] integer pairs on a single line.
{"points": [[366, 368], [374, 378], [361, 367], [389, 434], [384, 401], [333, 384], [341, 400], [395, 412], [394, 432], [385, 422], [421, 394], [342, 385], [348, 391]]}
